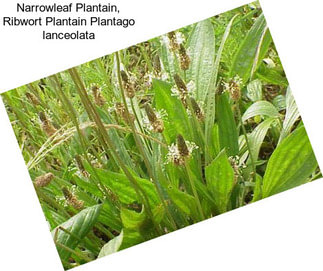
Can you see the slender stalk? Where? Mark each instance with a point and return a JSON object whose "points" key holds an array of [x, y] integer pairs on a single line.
{"points": [[139, 144], [83, 141], [91, 111], [197, 200], [247, 142]]}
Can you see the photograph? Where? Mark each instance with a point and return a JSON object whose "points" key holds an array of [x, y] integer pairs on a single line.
{"points": [[161, 135]]}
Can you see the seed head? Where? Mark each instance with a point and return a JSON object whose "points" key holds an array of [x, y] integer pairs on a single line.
{"points": [[121, 111], [44, 180], [234, 88], [156, 123], [179, 151], [80, 165], [32, 98], [98, 97], [157, 65], [197, 109], [234, 161], [175, 39], [47, 126], [182, 147], [128, 86], [184, 59], [72, 199]]}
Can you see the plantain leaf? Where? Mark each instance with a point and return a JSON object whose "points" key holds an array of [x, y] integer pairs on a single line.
{"points": [[210, 103], [228, 134], [132, 219], [220, 180], [254, 90], [177, 120], [112, 246], [110, 216], [256, 43], [280, 102], [121, 186], [292, 114], [78, 227], [185, 202], [201, 48], [261, 108], [168, 58], [271, 76], [257, 137], [290, 165]]}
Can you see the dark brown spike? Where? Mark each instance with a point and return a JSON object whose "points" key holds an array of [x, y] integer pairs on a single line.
{"points": [[182, 147]]}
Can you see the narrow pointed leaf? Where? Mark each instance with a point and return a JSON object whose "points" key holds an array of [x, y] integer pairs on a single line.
{"points": [[292, 114], [246, 54], [220, 180], [228, 134], [79, 226], [201, 48]]}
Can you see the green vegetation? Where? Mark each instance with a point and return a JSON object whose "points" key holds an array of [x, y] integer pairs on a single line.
{"points": [[161, 135]]}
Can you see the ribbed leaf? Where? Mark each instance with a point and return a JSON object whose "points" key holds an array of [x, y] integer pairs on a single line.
{"points": [[168, 58], [228, 134], [291, 116], [257, 137], [290, 165], [247, 52], [185, 202], [210, 103], [132, 219], [112, 246], [122, 187], [261, 108], [110, 216], [78, 227], [280, 102], [177, 120], [271, 76], [201, 48], [220, 180], [254, 90]]}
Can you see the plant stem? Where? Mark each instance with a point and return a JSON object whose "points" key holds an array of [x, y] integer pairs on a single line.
{"points": [[197, 200]]}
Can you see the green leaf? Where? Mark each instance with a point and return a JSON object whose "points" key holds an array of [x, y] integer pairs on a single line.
{"points": [[87, 186], [78, 227], [210, 103], [132, 219], [291, 116], [228, 134], [168, 58], [220, 180], [185, 202], [280, 102], [261, 108], [247, 53], [257, 137], [257, 193], [254, 90], [271, 76], [110, 216], [290, 165], [122, 187], [177, 120], [201, 48], [112, 246]]}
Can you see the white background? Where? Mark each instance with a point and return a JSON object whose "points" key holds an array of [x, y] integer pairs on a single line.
{"points": [[283, 232]]}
